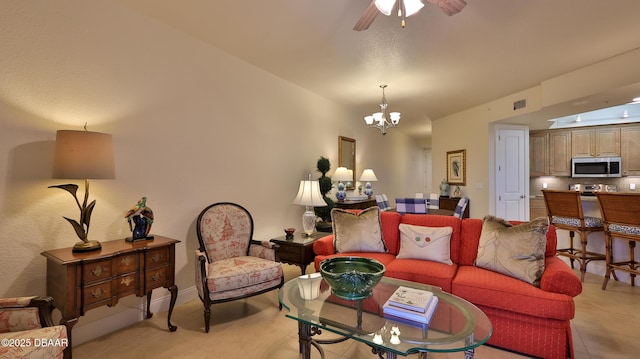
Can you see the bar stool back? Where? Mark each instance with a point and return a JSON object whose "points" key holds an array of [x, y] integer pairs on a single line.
{"points": [[565, 212], [621, 217]]}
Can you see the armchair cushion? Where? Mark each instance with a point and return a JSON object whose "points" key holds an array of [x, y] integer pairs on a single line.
{"points": [[231, 273]]}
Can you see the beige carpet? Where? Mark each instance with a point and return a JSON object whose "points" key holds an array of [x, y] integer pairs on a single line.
{"points": [[606, 326]]}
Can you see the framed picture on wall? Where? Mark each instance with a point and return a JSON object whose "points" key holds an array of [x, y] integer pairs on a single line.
{"points": [[457, 167]]}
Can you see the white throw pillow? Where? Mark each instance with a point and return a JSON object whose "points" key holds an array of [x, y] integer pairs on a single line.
{"points": [[427, 243]]}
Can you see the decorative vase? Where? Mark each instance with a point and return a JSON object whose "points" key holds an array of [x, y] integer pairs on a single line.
{"points": [[444, 188]]}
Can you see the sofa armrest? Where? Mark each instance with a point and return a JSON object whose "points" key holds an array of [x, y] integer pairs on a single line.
{"points": [[558, 277], [324, 246]]}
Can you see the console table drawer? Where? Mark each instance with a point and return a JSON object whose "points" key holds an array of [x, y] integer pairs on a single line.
{"points": [[157, 257], [126, 263], [96, 271], [156, 278], [126, 284], [96, 293]]}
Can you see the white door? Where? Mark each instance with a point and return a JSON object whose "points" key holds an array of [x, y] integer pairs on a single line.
{"points": [[511, 166]]}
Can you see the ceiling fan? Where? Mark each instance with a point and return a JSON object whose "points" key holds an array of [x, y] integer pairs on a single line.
{"points": [[405, 8]]}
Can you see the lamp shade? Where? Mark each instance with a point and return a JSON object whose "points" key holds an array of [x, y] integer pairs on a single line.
{"points": [[309, 194], [83, 155], [368, 176], [342, 174]]}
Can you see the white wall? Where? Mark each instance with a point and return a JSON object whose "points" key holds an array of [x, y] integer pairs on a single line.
{"points": [[191, 126]]}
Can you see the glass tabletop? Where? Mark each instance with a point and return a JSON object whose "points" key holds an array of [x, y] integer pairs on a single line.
{"points": [[456, 325]]}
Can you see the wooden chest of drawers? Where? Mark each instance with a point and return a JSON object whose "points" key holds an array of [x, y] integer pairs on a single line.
{"points": [[79, 282]]}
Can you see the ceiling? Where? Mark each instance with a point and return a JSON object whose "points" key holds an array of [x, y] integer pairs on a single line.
{"points": [[437, 65]]}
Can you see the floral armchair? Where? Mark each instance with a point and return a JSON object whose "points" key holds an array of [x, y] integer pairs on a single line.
{"points": [[27, 330], [230, 264]]}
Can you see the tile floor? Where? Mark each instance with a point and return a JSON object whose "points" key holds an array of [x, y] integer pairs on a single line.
{"points": [[606, 326]]}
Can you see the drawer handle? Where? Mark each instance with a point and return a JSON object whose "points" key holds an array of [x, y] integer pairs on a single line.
{"points": [[97, 271], [156, 276], [127, 260], [157, 257], [126, 280], [97, 293]]}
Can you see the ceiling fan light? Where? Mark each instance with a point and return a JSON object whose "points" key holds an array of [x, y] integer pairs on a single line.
{"points": [[385, 6], [412, 6]]}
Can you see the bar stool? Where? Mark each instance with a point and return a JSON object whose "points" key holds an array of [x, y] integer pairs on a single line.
{"points": [[565, 212], [620, 214]]}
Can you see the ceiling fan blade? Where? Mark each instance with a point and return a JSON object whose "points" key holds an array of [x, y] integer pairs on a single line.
{"points": [[449, 7], [367, 18]]}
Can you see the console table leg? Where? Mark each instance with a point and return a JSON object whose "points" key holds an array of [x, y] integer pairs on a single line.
{"points": [[149, 314], [174, 295]]}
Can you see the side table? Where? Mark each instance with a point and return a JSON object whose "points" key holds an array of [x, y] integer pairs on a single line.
{"points": [[297, 250], [79, 282], [356, 203]]}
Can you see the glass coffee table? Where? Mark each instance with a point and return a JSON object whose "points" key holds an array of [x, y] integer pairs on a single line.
{"points": [[456, 325]]}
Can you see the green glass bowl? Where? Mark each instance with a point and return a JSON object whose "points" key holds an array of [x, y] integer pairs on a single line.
{"points": [[352, 278]]}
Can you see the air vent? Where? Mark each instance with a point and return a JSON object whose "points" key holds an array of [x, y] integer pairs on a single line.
{"points": [[520, 104]]}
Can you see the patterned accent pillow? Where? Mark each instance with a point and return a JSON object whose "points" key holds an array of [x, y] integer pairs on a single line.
{"points": [[516, 251], [427, 243], [360, 232]]}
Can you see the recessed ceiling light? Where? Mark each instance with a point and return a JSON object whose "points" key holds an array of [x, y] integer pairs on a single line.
{"points": [[636, 99]]}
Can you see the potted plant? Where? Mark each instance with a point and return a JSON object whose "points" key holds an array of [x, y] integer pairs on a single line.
{"points": [[323, 166]]}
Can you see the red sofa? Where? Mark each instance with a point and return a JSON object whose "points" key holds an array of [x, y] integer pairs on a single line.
{"points": [[526, 319]]}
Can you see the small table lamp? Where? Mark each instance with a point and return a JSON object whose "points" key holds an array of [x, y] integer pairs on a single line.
{"points": [[83, 155], [368, 176], [341, 175], [309, 196]]}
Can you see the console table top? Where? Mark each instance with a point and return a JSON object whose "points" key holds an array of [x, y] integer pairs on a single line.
{"points": [[109, 249]]}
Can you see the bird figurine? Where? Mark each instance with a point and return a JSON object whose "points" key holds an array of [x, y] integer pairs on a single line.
{"points": [[142, 218]]}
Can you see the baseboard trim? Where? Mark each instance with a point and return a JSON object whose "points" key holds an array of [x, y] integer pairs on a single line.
{"points": [[110, 324]]}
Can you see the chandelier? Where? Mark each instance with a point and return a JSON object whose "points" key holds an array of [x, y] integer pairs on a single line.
{"points": [[379, 119]]}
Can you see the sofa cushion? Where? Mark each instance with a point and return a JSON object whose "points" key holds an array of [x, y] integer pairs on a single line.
{"points": [[361, 232], [421, 271], [487, 288], [427, 243], [428, 220], [516, 251]]}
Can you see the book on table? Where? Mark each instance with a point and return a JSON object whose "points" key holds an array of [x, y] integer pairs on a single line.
{"points": [[411, 315], [410, 298]]}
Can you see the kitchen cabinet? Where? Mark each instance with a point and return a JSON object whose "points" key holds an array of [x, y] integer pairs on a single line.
{"points": [[595, 142], [560, 153], [550, 153], [537, 208], [630, 142], [538, 153]]}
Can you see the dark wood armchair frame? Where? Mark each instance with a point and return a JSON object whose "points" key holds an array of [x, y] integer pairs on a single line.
{"points": [[207, 301]]}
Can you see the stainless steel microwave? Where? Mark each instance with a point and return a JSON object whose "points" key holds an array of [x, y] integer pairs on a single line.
{"points": [[596, 167]]}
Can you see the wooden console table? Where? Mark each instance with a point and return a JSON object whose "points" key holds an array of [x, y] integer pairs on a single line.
{"points": [[79, 282]]}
